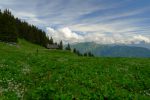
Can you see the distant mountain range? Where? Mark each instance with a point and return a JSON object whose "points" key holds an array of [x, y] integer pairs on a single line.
{"points": [[115, 50], [144, 45]]}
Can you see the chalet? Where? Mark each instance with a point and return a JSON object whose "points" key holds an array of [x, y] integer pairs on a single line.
{"points": [[52, 46]]}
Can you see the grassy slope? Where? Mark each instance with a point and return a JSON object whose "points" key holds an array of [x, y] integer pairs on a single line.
{"points": [[60, 74]]}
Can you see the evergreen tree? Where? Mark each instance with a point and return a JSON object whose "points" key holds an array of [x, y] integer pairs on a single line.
{"points": [[78, 53], [89, 54], [74, 50], [85, 54], [12, 28], [51, 41], [8, 30], [0, 12], [61, 45], [68, 47]]}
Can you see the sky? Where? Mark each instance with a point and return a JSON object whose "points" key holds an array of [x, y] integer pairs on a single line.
{"points": [[73, 21]]}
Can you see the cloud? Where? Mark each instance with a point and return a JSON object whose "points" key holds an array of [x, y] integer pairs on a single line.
{"points": [[64, 34], [102, 21], [68, 36], [140, 38]]}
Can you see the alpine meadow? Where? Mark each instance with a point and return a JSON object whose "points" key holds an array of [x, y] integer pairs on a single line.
{"points": [[74, 50]]}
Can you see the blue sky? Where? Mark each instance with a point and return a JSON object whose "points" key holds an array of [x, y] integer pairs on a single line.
{"points": [[100, 21]]}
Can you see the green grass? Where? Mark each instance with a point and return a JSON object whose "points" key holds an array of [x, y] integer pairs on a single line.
{"points": [[53, 74]]}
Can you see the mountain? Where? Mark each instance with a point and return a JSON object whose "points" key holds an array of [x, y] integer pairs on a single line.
{"points": [[144, 45], [113, 50]]}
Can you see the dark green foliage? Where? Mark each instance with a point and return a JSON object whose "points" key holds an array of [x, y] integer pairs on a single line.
{"points": [[90, 54], [68, 47], [60, 45], [32, 33], [51, 41], [8, 30], [12, 28], [74, 50], [77, 52], [85, 54]]}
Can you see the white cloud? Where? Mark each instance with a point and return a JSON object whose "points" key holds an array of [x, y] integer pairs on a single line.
{"points": [[139, 38], [67, 35], [64, 34], [30, 17], [23, 14], [102, 21]]}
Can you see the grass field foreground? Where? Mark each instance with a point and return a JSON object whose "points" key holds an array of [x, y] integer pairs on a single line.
{"points": [[30, 72]]}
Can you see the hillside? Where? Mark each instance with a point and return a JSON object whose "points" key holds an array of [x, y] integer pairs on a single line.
{"points": [[31, 72], [113, 50], [123, 51], [12, 28], [144, 45]]}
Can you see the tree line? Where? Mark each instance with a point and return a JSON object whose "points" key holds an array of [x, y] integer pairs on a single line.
{"points": [[12, 28], [86, 54]]}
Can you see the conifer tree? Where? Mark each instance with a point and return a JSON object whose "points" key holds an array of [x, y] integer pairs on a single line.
{"points": [[51, 41], [74, 50], [89, 54], [68, 47], [78, 53], [12, 28], [85, 54], [8, 31], [61, 45]]}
